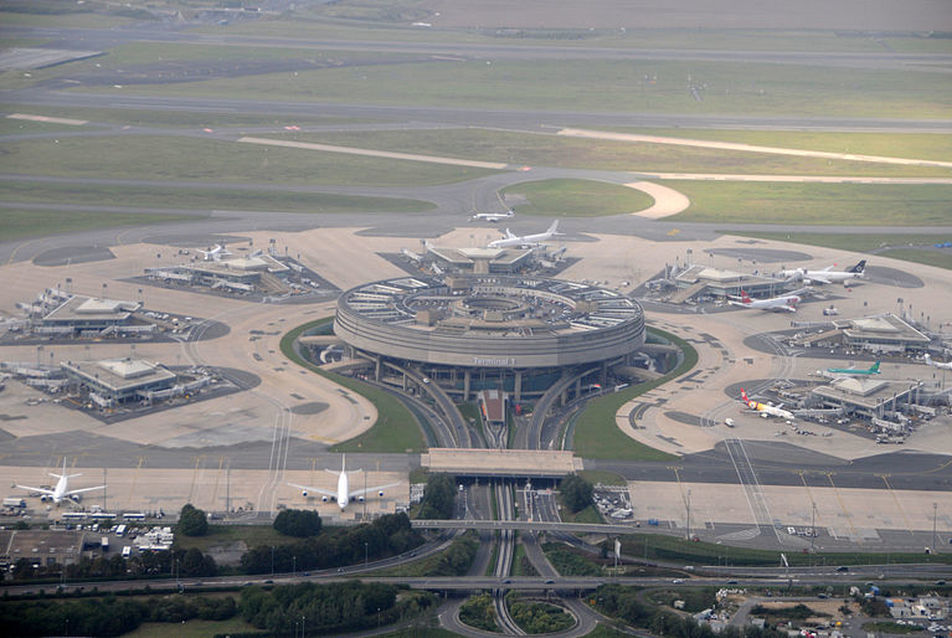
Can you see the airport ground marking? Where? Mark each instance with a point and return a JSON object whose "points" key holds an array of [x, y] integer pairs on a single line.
{"points": [[839, 499], [892, 492]]}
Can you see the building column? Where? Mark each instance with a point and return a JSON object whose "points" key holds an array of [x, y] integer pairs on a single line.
{"points": [[467, 377], [517, 387]]}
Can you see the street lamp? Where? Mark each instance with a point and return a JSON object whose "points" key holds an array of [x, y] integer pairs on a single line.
{"points": [[365, 553]]}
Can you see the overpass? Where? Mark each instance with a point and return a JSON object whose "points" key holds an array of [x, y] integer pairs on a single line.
{"points": [[506, 463], [533, 526]]}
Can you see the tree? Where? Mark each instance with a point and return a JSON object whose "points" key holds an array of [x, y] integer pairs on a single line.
{"points": [[439, 497], [299, 523], [192, 521], [576, 492]]}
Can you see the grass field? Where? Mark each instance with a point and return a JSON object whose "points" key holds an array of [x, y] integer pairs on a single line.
{"points": [[928, 146], [203, 198], [893, 246], [601, 85], [577, 198], [596, 434], [658, 546], [534, 149], [194, 628], [144, 117], [20, 224], [824, 204], [396, 430], [191, 159]]}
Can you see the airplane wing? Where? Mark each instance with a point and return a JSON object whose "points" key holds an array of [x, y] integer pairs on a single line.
{"points": [[364, 490], [788, 308], [317, 490], [83, 489], [41, 490], [818, 278]]}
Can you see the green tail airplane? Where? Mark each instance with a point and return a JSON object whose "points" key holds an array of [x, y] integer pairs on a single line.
{"points": [[873, 369]]}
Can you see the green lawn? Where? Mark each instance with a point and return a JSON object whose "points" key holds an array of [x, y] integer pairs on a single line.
{"points": [[192, 159], [20, 224], [577, 198], [927, 146], [898, 246], [203, 198], [532, 149], [601, 85], [194, 628], [887, 627], [596, 434], [141, 117], [826, 204], [396, 429]]}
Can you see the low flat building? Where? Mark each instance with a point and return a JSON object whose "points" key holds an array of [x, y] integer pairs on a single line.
{"points": [[116, 381], [882, 333], [865, 396], [78, 314], [697, 280]]}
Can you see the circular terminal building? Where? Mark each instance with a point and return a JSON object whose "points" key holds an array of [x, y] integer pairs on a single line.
{"points": [[469, 333]]}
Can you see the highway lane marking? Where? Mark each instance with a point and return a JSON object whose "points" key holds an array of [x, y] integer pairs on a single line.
{"points": [[432, 159]]}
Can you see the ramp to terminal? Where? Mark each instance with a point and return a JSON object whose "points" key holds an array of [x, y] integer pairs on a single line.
{"points": [[502, 463]]}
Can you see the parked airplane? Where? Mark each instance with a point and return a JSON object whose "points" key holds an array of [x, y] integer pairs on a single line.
{"points": [[873, 369], [493, 217], [214, 254], [827, 275], [344, 494], [512, 239], [945, 366], [766, 410], [784, 302], [61, 491]]}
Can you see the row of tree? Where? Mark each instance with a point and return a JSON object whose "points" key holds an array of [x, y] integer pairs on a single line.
{"points": [[107, 616], [386, 536], [330, 608]]}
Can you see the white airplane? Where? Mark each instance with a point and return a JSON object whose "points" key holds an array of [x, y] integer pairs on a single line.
{"points": [[512, 239], [765, 409], [344, 494], [827, 275], [938, 364], [493, 217], [786, 302], [61, 491], [214, 254]]}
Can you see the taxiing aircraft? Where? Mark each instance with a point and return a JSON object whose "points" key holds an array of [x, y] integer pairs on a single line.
{"points": [[827, 275], [765, 409], [214, 254], [873, 369], [938, 364], [493, 217], [61, 491], [786, 303], [344, 494], [511, 239]]}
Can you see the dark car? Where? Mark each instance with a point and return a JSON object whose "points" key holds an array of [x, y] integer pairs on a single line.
{"points": [[842, 568]]}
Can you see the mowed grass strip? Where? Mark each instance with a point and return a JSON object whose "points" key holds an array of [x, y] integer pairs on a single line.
{"points": [[203, 199], [596, 434], [689, 87], [577, 198], [805, 203], [927, 146], [915, 248], [535, 149], [21, 224], [218, 161], [396, 429], [197, 119]]}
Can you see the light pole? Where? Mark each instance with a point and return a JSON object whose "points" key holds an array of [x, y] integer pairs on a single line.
{"points": [[272, 561], [935, 511], [293, 566], [365, 553]]}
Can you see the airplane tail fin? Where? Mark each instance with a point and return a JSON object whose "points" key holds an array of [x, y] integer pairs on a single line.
{"points": [[860, 267], [743, 395], [874, 367], [744, 297], [554, 228]]}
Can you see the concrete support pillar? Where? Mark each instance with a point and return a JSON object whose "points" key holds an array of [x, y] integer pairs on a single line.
{"points": [[517, 387], [603, 378], [578, 388], [404, 380], [378, 369], [467, 378], [564, 398]]}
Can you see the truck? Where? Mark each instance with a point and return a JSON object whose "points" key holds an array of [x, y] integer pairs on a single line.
{"points": [[104, 544], [127, 551], [121, 531], [14, 501]]}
